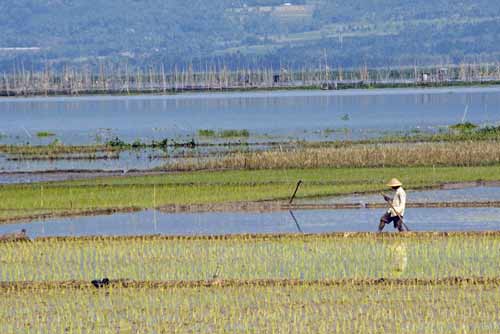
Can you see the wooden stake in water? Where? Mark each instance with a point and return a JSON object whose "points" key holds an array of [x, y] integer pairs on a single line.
{"points": [[295, 192]]}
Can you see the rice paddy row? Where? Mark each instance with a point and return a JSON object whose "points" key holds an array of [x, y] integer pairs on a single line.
{"points": [[218, 283], [304, 258], [192, 188], [415, 309]]}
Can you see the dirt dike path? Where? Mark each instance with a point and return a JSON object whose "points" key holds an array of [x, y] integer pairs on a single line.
{"points": [[273, 236], [124, 283]]}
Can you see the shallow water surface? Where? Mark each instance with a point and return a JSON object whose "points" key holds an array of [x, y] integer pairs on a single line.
{"points": [[132, 159], [466, 194], [296, 114], [314, 221]]}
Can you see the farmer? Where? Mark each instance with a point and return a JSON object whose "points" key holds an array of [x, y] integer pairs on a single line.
{"points": [[397, 211]]}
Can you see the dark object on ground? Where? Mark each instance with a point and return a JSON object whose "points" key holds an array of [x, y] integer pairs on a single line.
{"points": [[17, 236], [100, 283]]}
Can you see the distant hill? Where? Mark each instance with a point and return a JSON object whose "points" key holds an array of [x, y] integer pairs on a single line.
{"points": [[249, 32]]}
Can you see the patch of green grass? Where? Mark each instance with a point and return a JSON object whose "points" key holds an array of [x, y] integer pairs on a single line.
{"points": [[230, 133], [43, 134], [234, 133], [464, 127], [54, 148], [206, 133]]}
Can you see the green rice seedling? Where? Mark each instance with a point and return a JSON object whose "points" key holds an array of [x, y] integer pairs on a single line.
{"points": [[412, 309], [291, 257]]}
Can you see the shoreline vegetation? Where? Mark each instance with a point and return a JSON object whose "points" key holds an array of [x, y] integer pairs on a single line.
{"points": [[461, 132], [73, 81], [463, 144]]}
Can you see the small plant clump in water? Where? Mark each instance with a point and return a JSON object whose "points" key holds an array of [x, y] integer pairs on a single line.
{"points": [[138, 144], [464, 127], [206, 133], [345, 117], [55, 142], [224, 133], [490, 131], [43, 134], [120, 144], [159, 144], [189, 144], [116, 142], [329, 131], [234, 133]]}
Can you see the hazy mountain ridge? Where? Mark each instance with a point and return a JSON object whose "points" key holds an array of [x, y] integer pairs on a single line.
{"points": [[379, 33]]}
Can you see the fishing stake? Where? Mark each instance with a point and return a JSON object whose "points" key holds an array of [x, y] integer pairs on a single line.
{"points": [[295, 192]]}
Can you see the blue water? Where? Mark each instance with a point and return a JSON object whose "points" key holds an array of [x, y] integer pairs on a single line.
{"points": [[466, 194], [285, 115], [314, 221]]}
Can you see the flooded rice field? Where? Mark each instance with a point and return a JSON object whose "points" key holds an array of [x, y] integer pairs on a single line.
{"points": [[270, 119], [311, 221], [143, 159], [123, 160]]}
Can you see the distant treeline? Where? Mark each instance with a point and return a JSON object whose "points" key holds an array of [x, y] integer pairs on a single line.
{"points": [[237, 32], [120, 79]]}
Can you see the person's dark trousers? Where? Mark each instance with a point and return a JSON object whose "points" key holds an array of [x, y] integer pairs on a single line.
{"points": [[387, 219]]}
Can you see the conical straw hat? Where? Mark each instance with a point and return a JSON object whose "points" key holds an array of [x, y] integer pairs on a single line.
{"points": [[394, 183]]}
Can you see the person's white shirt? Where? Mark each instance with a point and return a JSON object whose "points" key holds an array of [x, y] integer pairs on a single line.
{"points": [[399, 203]]}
